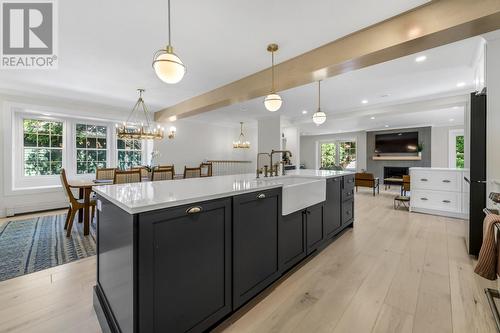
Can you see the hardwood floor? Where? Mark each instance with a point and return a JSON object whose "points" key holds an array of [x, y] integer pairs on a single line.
{"points": [[394, 272]]}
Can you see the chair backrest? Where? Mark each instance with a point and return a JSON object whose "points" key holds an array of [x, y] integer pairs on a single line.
{"points": [[406, 182], [206, 169], [67, 190], [131, 176], [105, 173], [363, 176], [144, 172], [162, 174], [192, 172], [167, 167]]}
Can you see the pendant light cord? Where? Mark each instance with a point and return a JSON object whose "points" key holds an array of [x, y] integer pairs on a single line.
{"points": [[319, 95], [169, 28], [272, 71]]}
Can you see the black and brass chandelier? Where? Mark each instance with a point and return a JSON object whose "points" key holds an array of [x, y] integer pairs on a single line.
{"points": [[137, 127]]}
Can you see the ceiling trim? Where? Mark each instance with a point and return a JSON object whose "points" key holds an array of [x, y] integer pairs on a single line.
{"points": [[428, 26]]}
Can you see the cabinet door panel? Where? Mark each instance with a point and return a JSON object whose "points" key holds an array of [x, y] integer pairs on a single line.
{"points": [[190, 279], [255, 243], [292, 240], [332, 213], [347, 211], [314, 223]]}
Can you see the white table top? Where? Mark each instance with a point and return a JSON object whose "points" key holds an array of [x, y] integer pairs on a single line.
{"points": [[147, 196]]}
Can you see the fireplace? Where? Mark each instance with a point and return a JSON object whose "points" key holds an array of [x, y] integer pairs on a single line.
{"points": [[395, 172]]}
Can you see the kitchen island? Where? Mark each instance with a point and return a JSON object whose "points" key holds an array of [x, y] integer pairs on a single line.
{"points": [[180, 256]]}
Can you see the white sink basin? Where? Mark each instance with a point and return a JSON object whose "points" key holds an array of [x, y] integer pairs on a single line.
{"points": [[300, 192]]}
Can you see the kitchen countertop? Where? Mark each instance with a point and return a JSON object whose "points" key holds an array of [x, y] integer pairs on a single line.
{"points": [[147, 196]]}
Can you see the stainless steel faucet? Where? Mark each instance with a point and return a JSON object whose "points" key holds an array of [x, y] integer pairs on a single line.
{"points": [[259, 170], [276, 152]]}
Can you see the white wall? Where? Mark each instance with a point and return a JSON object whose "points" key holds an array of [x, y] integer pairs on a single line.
{"points": [[440, 143], [196, 142], [269, 134], [309, 148], [292, 136], [493, 107], [25, 200]]}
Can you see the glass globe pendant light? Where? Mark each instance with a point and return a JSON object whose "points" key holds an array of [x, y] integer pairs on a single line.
{"points": [[167, 65], [319, 117], [273, 101]]}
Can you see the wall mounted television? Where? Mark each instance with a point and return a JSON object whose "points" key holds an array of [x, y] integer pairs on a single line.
{"points": [[399, 142]]}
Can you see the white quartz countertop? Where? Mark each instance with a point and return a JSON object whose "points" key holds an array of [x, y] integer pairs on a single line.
{"points": [[147, 196]]}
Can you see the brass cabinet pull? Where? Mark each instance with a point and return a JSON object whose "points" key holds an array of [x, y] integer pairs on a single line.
{"points": [[446, 181], [423, 179], [261, 196], [424, 199], [193, 210], [446, 201]]}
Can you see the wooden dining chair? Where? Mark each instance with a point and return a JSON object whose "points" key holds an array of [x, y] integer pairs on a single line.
{"points": [[105, 174], [206, 169], [143, 170], [167, 167], [162, 174], [74, 204], [130, 176], [192, 172]]}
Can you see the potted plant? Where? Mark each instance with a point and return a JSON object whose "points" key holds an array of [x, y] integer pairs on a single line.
{"points": [[420, 147]]}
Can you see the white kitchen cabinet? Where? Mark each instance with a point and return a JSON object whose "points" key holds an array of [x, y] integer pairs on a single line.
{"points": [[439, 191]]}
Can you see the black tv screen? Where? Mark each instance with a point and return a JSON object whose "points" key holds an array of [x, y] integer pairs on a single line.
{"points": [[403, 142]]}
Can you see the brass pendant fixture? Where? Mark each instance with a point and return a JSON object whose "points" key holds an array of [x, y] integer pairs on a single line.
{"points": [[273, 101], [167, 65], [319, 117], [241, 143], [135, 128]]}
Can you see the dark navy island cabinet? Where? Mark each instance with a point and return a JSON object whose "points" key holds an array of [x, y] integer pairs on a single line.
{"points": [[186, 268]]}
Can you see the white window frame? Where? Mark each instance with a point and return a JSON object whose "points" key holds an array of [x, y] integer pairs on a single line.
{"points": [[452, 148], [144, 147], [110, 127], [337, 155]]}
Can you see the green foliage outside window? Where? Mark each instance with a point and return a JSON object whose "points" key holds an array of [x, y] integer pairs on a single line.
{"points": [[129, 153], [42, 145], [459, 148], [328, 155], [91, 148]]}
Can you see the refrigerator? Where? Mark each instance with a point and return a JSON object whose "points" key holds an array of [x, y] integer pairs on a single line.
{"points": [[476, 178]]}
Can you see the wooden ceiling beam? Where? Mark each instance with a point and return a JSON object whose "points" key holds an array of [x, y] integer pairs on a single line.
{"points": [[434, 24]]}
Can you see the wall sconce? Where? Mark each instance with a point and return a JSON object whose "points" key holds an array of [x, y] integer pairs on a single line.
{"points": [[171, 132]]}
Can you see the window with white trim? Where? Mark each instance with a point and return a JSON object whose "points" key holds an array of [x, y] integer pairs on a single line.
{"points": [[338, 154], [91, 147], [42, 147], [129, 153]]}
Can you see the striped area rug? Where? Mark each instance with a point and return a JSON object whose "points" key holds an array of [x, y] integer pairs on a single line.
{"points": [[35, 244]]}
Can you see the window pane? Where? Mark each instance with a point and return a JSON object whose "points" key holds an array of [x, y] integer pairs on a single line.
{"points": [[57, 128], [137, 144], [101, 143], [459, 148], [43, 140], [56, 141], [81, 142], [44, 167], [91, 130], [81, 155], [91, 167], [30, 126], [328, 155], [81, 130], [56, 155], [30, 140], [121, 144], [91, 155], [81, 167], [91, 143], [56, 167], [101, 155], [101, 131], [44, 127]]}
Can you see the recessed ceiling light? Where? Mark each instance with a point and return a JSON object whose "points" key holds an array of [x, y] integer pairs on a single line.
{"points": [[386, 126], [304, 111], [455, 107], [451, 119], [460, 84], [46, 114], [372, 118], [364, 101], [421, 58]]}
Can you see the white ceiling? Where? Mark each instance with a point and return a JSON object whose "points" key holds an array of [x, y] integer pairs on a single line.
{"points": [[106, 47], [391, 83]]}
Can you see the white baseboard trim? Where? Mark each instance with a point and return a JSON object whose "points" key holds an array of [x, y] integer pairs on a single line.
{"points": [[36, 207], [461, 216]]}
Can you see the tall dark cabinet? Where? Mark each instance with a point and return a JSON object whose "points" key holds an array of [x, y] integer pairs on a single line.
{"points": [[477, 180]]}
